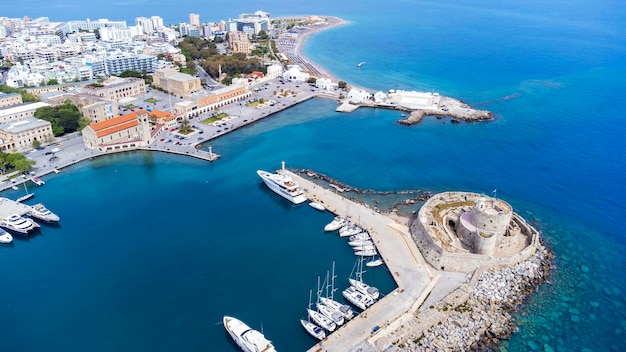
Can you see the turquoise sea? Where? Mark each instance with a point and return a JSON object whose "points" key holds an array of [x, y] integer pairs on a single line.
{"points": [[154, 249]]}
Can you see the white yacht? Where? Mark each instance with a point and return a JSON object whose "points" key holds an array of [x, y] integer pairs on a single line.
{"points": [[19, 224], [349, 230], [313, 329], [357, 298], [5, 237], [336, 224], [330, 313], [365, 288], [38, 211], [343, 309], [364, 248], [247, 338], [367, 253], [360, 243], [322, 320], [375, 262], [283, 185], [318, 206], [363, 236]]}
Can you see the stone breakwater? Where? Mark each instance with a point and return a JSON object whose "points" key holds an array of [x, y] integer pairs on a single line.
{"points": [[455, 109], [476, 316]]}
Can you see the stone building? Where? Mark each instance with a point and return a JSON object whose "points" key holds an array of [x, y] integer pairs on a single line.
{"points": [[179, 84], [91, 107], [19, 112], [19, 135], [10, 99], [203, 102], [115, 88], [119, 133], [239, 42]]}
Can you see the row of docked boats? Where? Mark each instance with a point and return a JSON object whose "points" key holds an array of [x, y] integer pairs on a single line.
{"points": [[331, 314], [359, 239], [24, 225]]}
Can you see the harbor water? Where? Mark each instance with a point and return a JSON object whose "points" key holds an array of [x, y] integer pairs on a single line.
{"points": [[154, 249]]}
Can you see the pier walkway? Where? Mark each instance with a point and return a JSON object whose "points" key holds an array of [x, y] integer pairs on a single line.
{"points": [[403, 259]]}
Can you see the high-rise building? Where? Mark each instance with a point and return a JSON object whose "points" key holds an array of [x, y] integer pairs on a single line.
{"points": [[194, 19], [145, 24], [157, 22]]}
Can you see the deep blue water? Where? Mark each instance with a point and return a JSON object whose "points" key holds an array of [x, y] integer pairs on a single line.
{"points": [[154, 249]]}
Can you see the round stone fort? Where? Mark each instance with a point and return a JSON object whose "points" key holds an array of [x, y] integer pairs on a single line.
{"points": [[463, 231]]}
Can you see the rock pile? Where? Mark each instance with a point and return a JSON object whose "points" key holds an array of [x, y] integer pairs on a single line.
{"points": [[481, 319]]}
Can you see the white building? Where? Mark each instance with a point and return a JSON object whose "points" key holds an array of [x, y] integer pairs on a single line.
{"points": [[295, 74], [109, 34], [19, 135], [326, 84], [357, 96]]}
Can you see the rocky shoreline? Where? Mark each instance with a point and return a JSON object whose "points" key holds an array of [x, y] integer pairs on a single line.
{"points": [[476, 316]]}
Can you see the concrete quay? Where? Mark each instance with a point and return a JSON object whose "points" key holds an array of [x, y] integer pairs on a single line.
{"points": [[411, 273]]}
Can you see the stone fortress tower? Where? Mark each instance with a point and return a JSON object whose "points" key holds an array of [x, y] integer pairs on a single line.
{"points": [[480, 228], [462, 231]]}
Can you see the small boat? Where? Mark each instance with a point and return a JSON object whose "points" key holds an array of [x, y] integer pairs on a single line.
{"points": [[248, 339], [39, 211], [5, 237], [336, 224], [27, 196], [361, 243], [318, 206], [37, 181], [364, 248], [364, 288], [313, 329], [375, 262], [14, 187], [322, 320], [360, 64], [19, 224], [368, 253]]}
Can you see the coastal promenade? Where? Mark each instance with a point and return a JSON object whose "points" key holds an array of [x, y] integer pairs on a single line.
{"points": [[412, 275]]}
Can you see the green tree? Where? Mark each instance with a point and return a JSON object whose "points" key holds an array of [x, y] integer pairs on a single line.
{"points": [[64, 118], [311, 80], [185, 127], [36, 143], [227, 81], [52, 82], [341, 84]]}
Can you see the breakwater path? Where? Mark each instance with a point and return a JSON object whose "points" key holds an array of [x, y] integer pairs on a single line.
{"points": [[403, 259]]}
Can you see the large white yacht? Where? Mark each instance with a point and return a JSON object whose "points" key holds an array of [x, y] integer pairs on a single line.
{"points": [[283, 185], [247, 338], [19, 224], [5, 237], [39, 211], [336, 224], [343, 309], [331, 313]]}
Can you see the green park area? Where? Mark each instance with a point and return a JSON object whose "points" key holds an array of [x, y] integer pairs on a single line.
{"points": [[215, 118]]}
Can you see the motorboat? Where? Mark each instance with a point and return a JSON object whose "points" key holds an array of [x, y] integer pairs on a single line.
{"points": [[313, 329], [330, 313], [359, 243], [39, 211], [248, 339], [322, 320], [337, 223], [367, 253], [349, 230], [362, 236], [343, 309], [283, 185], [5, 237], [19, 224], [318, 206], [357, 298], [364, 288]]}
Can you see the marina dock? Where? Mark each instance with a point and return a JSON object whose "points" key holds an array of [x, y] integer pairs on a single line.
{"points": [[404, 261], [9, 207]]}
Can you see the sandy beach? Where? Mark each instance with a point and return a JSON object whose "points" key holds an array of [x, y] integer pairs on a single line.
{"points": [[331, 22]]}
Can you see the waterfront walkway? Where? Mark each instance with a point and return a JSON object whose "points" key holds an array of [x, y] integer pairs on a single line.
{"points": [[404, 261]]}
